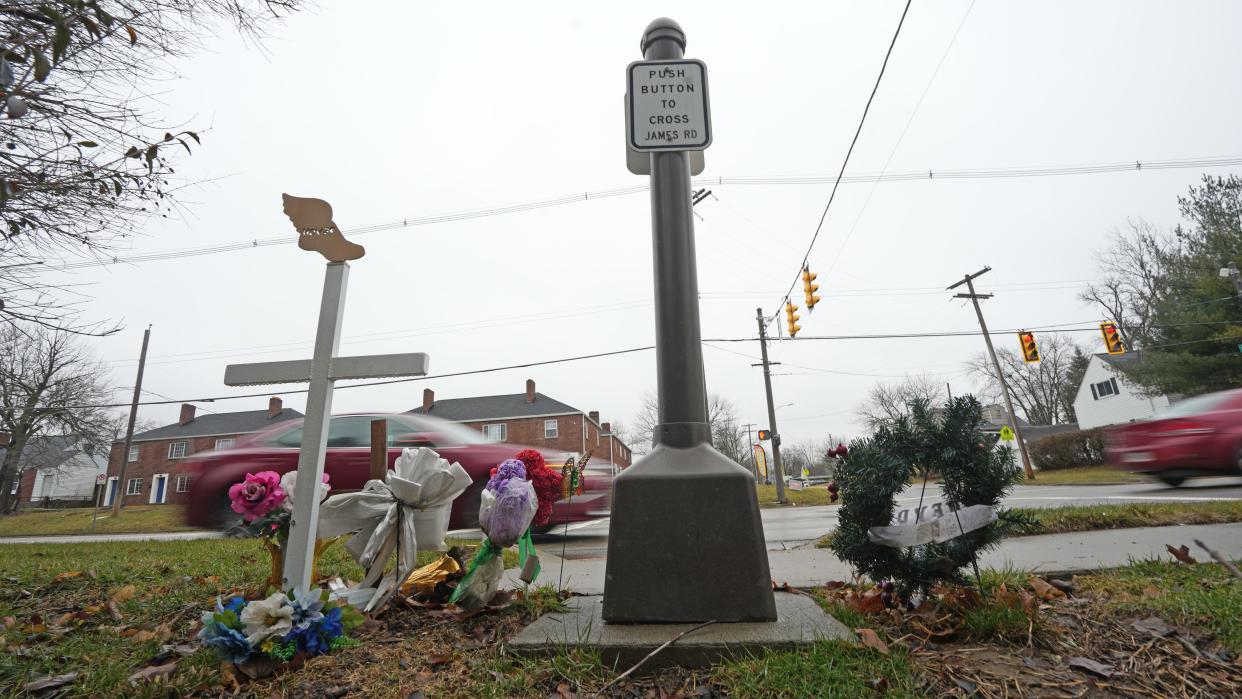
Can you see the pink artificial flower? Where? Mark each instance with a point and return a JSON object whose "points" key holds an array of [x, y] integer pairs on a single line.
{"points": [[259, 494]]}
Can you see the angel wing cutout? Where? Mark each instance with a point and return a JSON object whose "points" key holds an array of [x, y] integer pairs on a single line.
{"points": [[317, 231]]}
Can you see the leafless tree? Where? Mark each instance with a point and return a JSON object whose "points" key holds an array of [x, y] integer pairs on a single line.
{"points": [[1043, 391], [48, 385], [727, 434], [887, 402], [81, 159], [1134, 270]]}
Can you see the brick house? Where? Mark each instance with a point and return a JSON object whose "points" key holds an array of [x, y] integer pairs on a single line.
{"points": [[534, 419], [158, 471]]}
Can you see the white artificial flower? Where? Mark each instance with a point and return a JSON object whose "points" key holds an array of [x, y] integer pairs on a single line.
{"points": [[289, 481], [262, 619]]}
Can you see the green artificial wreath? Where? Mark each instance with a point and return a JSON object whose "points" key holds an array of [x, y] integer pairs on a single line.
{"points": [[973, 472]]}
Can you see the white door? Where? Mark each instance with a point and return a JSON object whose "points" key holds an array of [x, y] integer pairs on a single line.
{"points": [[159, 489], [110, 491]]}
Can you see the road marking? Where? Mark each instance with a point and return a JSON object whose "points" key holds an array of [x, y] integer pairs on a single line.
{"points": [[1141, 498]]}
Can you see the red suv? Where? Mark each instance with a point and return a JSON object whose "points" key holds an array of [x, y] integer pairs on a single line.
{"points": [[348, 464], [1200, 436]]}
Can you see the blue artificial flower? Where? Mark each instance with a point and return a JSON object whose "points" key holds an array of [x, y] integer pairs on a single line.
{"points": [[233, 605], [231, 644], [307, 608], [316, 637]]}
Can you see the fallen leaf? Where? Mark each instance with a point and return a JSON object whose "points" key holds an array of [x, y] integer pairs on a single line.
{"points": [[439, 659], [258, 668], [1044, 590], [1151, 591], [1089, 665], [65, 619], [123, 594], [182, 649], [160, 633], [1182, 554], [871, 639], [61, 577], [965, 685], [51, 682], [113, 611], [150, 673], [872, 601], [879, 684], [10, 621], [1154, 626], [1062, 585], [564, 692]]}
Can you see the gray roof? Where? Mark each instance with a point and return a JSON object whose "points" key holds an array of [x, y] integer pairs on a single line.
{"points": [[48, 452], [219, 423], [1123, 359], [495, 407], [1034, 433]]}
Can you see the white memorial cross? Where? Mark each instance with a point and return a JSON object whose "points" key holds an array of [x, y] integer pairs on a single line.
{"points": [[313, 220]]}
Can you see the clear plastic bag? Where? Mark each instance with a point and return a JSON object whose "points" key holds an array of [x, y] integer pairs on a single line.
{"points": [[505, 515]]}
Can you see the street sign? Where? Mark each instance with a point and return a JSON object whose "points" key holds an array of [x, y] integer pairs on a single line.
{"points": [[1006, 434], [101, 478], [667, 107], [640, 163]]}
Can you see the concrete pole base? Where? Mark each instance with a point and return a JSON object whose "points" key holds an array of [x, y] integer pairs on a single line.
{"points": [[685, 542]]}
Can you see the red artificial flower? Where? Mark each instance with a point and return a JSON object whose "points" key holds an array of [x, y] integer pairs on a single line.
{"points": [[546, 481]]}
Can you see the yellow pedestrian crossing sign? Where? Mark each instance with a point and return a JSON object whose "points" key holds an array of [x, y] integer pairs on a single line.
{"points": [[1006, 434]]}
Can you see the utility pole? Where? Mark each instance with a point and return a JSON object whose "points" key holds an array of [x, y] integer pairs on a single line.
{"points": [[767, 386], [750, 444], [119, 497], [969, 281]]}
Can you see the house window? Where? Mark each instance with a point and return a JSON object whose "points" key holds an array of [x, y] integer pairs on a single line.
{"points": [[549, 429], [133, 486], [496, 433], [176, 450], [133, 454], [225, 444], [1104, 389], [183, 483]]}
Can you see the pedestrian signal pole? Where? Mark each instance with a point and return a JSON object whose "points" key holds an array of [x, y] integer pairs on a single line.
{"points": [[969, 281]]}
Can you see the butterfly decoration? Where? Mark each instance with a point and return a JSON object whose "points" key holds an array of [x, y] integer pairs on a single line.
{"points": [[571, 475]]}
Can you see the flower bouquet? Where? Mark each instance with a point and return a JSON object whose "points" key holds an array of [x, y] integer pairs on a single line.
{"points": [[265, 502], [279, 628], [406, 511]]}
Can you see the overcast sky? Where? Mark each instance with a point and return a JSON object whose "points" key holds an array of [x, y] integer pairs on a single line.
{"points": [[395, 111]]}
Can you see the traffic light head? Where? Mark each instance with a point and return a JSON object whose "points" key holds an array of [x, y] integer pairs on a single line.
{"points": [[764, 435], [1030, 351], [1112, 338], [809, 287], [792, 318]]}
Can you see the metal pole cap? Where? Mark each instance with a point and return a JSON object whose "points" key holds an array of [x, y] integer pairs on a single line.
{"points": [[663, 28]]}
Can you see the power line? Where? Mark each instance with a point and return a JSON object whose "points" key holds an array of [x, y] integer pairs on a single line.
{"points": [[857, 132], [719, 181]]}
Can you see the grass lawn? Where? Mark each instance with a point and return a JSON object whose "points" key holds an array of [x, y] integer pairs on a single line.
{"points": [[1091, 475], [54, 615], [816, 495], [134, 519], [1085, 518]]}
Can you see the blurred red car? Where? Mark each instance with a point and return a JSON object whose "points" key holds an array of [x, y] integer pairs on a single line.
{"points": [[348, 464], [1200, 436]]}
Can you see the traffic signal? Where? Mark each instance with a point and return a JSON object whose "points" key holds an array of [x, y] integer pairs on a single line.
{"points": [[1030, 351], [809, 287], [1112, 338], [792, 318], [764, 435]]}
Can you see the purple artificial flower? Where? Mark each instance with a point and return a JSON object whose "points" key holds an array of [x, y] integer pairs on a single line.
{"points": [[509, 468]]}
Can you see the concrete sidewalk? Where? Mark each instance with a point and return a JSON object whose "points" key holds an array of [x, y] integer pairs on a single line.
{"points": [[99, 538], [806, 567]]}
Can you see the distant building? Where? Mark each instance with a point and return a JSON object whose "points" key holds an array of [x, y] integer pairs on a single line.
{"points": [[158, 472], [58, 470], [533, 419], [1106, 397]]}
